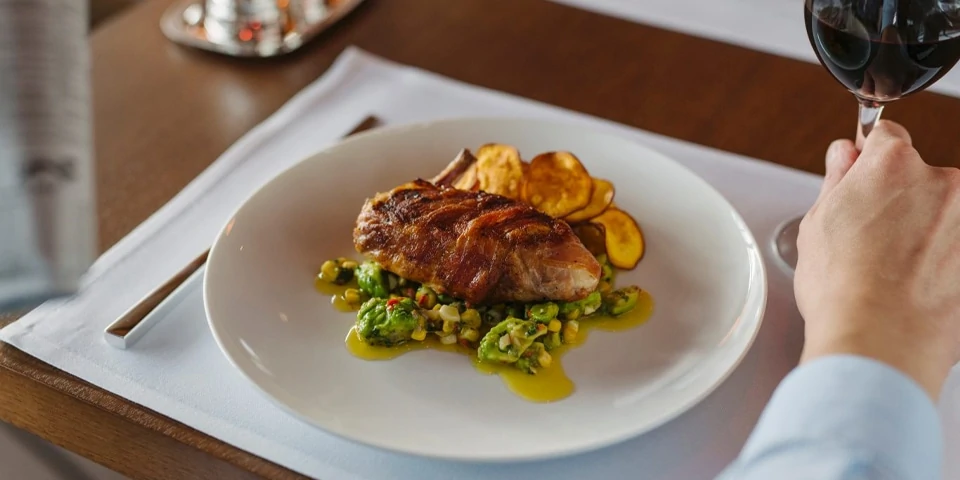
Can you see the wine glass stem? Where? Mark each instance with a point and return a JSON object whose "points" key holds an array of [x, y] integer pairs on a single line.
{"points": [[869, 116], [785, 238]]}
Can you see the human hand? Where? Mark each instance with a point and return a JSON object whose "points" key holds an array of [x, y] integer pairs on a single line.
{"points": [[878, 273]]}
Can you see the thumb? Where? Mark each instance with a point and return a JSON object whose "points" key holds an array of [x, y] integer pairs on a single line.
{"points": [[840, 157]]}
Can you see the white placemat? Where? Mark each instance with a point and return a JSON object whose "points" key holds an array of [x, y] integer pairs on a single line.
{"points": [[178, 371], [772, 26]]}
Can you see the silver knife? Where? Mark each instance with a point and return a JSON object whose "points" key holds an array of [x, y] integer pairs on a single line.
{"points": [[135, 322]]}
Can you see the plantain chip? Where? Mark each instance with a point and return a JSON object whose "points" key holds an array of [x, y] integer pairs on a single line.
{"points": [[624, 239], [500, 170], [600, 200], [592, 236], [557, 184]]}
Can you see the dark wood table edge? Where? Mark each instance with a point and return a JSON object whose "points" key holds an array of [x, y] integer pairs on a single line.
{"points": [[69, 387]]}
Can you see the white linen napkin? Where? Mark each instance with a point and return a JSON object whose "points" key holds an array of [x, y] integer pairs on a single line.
{"points": [[771, 26], [177, 369]]}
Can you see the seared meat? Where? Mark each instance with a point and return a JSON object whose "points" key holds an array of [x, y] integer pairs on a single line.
{"points": [[480, 247]]}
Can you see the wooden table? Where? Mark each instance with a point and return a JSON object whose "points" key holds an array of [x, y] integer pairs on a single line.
{"points": [[163, 113]]}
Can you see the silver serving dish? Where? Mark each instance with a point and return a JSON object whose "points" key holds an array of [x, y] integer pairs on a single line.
{"points": [[251, 28]]}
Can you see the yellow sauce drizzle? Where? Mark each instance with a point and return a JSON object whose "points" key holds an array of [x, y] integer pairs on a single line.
{"points": [[336, 293], [548, 385]]}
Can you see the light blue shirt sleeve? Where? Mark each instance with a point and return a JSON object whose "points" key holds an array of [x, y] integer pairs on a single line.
{"points": [[844, 418]]}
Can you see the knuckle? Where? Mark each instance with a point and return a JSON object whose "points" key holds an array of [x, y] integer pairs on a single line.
{"points": [[900, 149], [896, 153], [894, 129]]}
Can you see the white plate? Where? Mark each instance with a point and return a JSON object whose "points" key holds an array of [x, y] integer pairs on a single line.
{"points": [[702, 266]]}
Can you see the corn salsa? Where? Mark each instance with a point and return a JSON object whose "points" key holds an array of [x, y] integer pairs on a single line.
{"points": [[522, 343]]}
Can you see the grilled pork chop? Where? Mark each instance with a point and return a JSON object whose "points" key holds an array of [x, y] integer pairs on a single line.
{"points": [[480, 247]]}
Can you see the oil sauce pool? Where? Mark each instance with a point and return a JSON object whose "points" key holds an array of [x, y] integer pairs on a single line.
{"points": [[548, 385]]}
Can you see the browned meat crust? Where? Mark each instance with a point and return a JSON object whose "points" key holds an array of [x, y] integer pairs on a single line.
{"points": [[476, 246]]}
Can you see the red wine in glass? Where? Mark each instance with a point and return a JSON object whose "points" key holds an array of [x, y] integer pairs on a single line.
{"points": [[881, 51], [885, 52]]}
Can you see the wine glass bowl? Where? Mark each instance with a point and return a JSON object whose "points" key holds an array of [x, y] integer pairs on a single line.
{"points": [[880, 51], [883, 50]]}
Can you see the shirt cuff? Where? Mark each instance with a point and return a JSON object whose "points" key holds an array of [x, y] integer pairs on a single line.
{"points": [[855, 403]]}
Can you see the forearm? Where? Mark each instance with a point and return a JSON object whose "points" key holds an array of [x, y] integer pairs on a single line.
{"points": [[844, 417]]}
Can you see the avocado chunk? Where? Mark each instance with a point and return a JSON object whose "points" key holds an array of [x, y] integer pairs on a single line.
{"points": [[372, 279], [534, 358], [388, 322], [543, 312], [583, 307], [507, 341], [622, 300]]}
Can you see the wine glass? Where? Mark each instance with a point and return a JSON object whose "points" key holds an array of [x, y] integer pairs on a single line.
{"points": [[881, 51]]}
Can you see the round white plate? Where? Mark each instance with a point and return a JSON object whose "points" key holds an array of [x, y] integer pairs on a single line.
{"points": [[702, 267]]}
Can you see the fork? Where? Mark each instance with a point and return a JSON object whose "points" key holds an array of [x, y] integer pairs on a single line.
{"points": [[134, 323]]}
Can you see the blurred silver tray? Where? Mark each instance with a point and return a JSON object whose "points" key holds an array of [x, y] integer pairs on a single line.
{"points": [[251, 28]]}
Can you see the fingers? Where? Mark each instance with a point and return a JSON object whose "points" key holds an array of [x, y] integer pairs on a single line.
{"points": [[884, 129], [889, 149], [887, 140], [891, 130], [840, 157]]}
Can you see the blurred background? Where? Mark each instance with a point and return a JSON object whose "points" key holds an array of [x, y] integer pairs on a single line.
{"points": [[100, 10], [24, 456], [27, 457]]}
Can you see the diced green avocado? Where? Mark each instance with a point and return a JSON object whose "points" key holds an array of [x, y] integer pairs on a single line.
{"points": [[592, 303], [606, 268], [606, 273], [372, 279], [570, 310], [529, 362], [543, 312], [622, 300], [523, 334], [582, 307], [388, 322]]}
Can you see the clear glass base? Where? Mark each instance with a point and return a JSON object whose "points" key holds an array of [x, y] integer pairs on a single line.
{"points": [[785, 243]]}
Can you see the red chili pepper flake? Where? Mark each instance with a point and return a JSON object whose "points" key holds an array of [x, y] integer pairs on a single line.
{"points": [[392, 303]]}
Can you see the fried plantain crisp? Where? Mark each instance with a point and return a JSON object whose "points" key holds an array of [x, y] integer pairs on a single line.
{"points": [[600, 200], [500, 170], [557, 184], [624, 239]]}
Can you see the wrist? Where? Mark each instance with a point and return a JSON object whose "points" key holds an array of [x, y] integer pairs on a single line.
{"points": [[919, 356]]}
